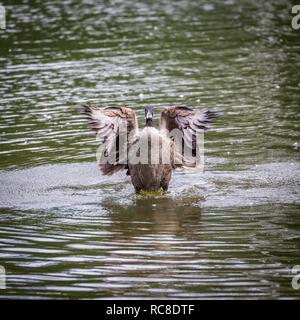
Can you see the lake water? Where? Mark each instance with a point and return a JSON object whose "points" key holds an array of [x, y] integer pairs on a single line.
{"points": [[230, 232]]}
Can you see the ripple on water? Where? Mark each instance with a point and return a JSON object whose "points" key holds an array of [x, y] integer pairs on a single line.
{"points": [[66, 231]]}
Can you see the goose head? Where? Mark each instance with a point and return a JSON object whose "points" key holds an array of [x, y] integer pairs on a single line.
{"points": [[149, 115]]}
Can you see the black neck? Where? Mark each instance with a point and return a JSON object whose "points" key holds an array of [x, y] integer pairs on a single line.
{"points": [[149, 122]]}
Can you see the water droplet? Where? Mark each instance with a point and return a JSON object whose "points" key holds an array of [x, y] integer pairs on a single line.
{"points": [[208, 7]]}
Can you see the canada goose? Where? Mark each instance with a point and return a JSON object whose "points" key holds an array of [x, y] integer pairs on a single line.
{"points": [[124, 145]]}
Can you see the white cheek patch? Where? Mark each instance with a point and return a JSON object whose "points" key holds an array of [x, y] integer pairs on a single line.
{"points": [[148, 115]]}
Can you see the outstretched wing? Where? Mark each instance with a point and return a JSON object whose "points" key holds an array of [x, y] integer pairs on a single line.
{"points": [[190, 122], [112, 126]]}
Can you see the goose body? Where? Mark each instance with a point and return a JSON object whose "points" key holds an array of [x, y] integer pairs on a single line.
{"points": [[149, 155], [150, 176]]}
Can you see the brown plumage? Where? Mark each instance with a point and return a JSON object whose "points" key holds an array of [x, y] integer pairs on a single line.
{"points": [[118, 132]]}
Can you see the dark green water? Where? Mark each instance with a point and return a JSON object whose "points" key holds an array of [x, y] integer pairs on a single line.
{"points": [[230, 232]]}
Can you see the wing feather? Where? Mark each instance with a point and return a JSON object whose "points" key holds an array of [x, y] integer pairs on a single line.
{"points": [[190, 122], [109, 124]]}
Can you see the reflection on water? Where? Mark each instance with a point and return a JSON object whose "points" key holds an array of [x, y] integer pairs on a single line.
{"points": [[122, 252], [163, 215], [67, 231]]}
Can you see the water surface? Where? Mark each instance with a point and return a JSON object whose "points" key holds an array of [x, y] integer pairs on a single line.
{"points": [[230, 232]]}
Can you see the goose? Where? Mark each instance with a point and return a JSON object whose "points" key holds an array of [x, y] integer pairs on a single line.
{"points": [[126, 147]]}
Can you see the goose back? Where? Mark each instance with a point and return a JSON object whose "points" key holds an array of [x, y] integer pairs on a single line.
{"points": [[154, 171]]}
